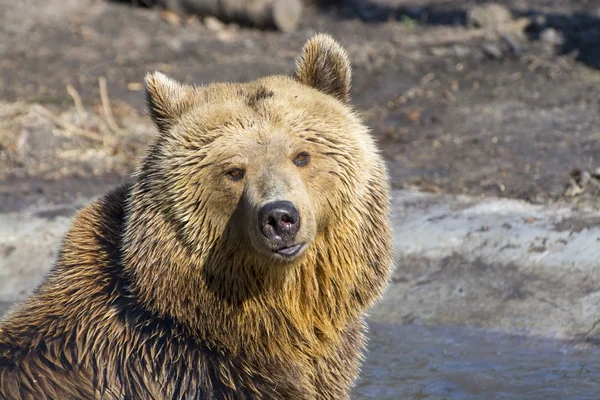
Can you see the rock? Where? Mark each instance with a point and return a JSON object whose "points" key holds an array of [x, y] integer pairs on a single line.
{"points": [[539, 20], [531, 269], [492, 50], [170, 17], [227, 35], [552, 37], [461, 51], [213, 24], [488, 16]]}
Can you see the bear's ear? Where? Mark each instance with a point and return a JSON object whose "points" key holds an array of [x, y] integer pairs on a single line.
{"points": [[325, 66], [167, 99]]}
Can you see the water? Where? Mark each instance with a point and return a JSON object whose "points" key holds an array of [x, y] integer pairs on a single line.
{"points": [[417, 362]]}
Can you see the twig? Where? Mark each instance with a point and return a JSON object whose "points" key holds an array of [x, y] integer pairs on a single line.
{"points": [[515, 27], [449, 95], [514, 46], [535, 64], [68, 126], [78, 104], [108, 115]]}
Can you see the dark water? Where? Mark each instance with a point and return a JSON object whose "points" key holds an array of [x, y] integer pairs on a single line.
{"points": [[416, 362]]}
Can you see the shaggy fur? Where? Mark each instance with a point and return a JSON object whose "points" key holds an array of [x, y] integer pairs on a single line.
{"points": [[165, 289]]}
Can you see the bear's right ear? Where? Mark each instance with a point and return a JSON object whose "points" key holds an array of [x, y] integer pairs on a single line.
{"points": [[167, 99], [325, 66]]}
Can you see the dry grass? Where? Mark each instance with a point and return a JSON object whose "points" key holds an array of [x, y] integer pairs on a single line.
{"points": [[55, 142]]}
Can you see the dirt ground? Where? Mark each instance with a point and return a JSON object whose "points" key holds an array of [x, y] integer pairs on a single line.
{"points": [[486, 111]]}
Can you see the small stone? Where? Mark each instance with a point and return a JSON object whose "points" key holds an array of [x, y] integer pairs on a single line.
{"points": [[213, 24], [488, 16], [439, 51], [413, 116], [552, 37], [227, 35], [461, 50], [170, 17], [492, 50], [540, 20]]}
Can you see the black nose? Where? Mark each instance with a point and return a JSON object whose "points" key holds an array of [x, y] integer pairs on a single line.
{"points": [[279, 220]]}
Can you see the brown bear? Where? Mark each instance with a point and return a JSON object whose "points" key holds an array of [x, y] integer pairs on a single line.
{"points": [[237, 264]]}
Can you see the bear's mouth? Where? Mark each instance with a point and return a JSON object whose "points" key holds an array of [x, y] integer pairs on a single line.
{"points": [[289, 251]]}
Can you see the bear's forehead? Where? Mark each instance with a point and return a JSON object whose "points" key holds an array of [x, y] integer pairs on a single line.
{"points": [[275, 93], [265, 106]]}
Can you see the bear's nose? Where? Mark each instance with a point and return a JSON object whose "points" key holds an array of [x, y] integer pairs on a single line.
{"points": [[279, 220]]}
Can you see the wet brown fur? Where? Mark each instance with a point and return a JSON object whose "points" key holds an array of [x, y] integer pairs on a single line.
{"points": [[158, 292]]}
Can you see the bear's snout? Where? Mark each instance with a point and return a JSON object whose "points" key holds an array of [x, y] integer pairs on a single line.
{"points": [[279, 222]]}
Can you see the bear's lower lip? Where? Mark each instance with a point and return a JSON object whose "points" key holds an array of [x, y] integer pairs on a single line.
{"points": [[289, 251]]}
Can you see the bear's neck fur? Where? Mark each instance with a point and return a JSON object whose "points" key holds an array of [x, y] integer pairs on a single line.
{"points": [[294, 310]]}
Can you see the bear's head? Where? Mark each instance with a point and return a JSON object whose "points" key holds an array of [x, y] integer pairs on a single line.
{"points": [[268, 191]]}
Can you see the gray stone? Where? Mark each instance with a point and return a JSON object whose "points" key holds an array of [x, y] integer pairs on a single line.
{"points": [[551, 36], [492, 50], [502, 264]]}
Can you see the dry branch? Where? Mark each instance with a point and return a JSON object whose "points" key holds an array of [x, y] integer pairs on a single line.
{"points": [[108, 115], [78, 104], [70, 128]]}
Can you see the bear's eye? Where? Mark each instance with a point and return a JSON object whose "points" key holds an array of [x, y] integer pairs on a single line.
{"points": [[302, 159], [236, 174]]}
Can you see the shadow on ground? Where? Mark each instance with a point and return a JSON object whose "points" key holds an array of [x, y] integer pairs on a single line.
{"points": [[576, 33]]}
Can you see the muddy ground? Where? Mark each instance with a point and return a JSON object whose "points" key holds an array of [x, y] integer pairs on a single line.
{"points": [[482, 111]]}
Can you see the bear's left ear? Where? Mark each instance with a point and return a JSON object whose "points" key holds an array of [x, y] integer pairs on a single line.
{"points": [[167, 99], [325, 66]]}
